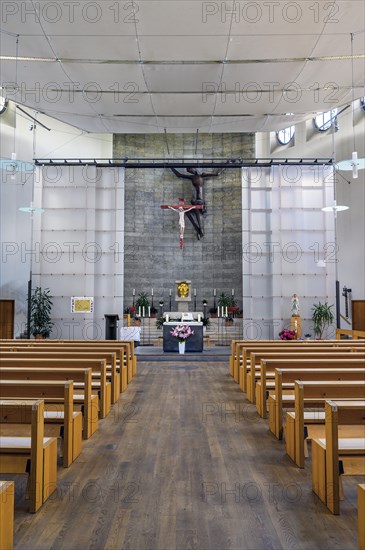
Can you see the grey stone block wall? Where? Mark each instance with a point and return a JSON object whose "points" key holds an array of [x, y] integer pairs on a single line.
{"points": [[153, 258]]}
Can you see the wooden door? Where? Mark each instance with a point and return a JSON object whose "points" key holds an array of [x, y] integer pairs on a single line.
{"points": [[6, 318], [358, 314]]}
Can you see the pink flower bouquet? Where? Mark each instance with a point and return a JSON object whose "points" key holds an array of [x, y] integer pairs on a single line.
{"points": [[287, 335], [182, 332]]}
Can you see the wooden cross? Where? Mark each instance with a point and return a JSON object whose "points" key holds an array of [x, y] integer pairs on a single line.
{"points": [[182, 209]]}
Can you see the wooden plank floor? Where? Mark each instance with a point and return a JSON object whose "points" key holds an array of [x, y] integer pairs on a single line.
{"points": [[183, 462]]}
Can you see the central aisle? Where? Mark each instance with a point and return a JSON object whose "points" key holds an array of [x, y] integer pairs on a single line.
{"points": [[183, 462]]}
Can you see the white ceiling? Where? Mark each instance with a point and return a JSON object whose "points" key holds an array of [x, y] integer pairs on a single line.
{"points": [[182, 65]]}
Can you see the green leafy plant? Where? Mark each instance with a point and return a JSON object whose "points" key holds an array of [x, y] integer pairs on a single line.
{"points": [[40, 312], [159, 322], [142, 301], [206, 322], [322, 317], [226, 301]]}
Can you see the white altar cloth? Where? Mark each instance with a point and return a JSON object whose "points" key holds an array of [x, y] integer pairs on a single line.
{"points": [[130, 333]]}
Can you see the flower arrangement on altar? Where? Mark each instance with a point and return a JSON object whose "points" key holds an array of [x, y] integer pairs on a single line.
{"points": [[182, 332], [287, 335]]}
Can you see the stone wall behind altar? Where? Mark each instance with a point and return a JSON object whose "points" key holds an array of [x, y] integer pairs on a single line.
{"points": [[153, 258]]}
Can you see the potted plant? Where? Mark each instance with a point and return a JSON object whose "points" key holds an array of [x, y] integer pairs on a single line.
{"points": [[206, 322], [307, 336], [159, 322], [322, 317], [205, 303], [40, 313], [142, 304]]}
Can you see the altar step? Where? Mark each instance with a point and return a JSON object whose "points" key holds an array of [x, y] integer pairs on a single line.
{"points": [[156, 353]]}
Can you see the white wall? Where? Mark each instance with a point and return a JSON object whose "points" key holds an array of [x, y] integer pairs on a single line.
{"points": [[16, 227], [350, 224]]}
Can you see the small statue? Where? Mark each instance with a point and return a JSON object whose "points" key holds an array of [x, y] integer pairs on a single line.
{"points": [[295, 306]]}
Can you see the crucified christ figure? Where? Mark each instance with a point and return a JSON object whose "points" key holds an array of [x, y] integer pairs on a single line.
{"points": [[197, 179], [182, 209]]}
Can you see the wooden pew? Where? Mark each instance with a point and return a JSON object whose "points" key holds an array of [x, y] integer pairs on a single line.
{"points": [[254, 376], [361, 516], [127, 345], [122, 350], [329, 360], [35, 455], [103, 388], [326, 452], [280, 346], [58, 391], [310, 394], [300, 352], [87, 402], [6, 515], [56, 418], [60, 353], [354, 334], [238, 345], [285, 378]]}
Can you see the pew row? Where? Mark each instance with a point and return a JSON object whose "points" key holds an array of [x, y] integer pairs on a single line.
{"points": [[124, 364], [312, 395], [238, 345], [334, 455], [328, 361], [60, 353], [58, 391], [82, 421], [6, 515], [284, 381], [100, 387], [126, 346], [35, 455]]}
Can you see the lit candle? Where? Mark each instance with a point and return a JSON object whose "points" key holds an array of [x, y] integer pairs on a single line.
{"points": [[170, 291], [232, 291], [134, 292], [194, 291], [149, 311], [142, 311], [151, 291], [214, 291]]}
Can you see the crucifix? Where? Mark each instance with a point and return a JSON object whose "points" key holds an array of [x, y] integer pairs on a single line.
{"points": [[197, 179], [182, 209]]}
